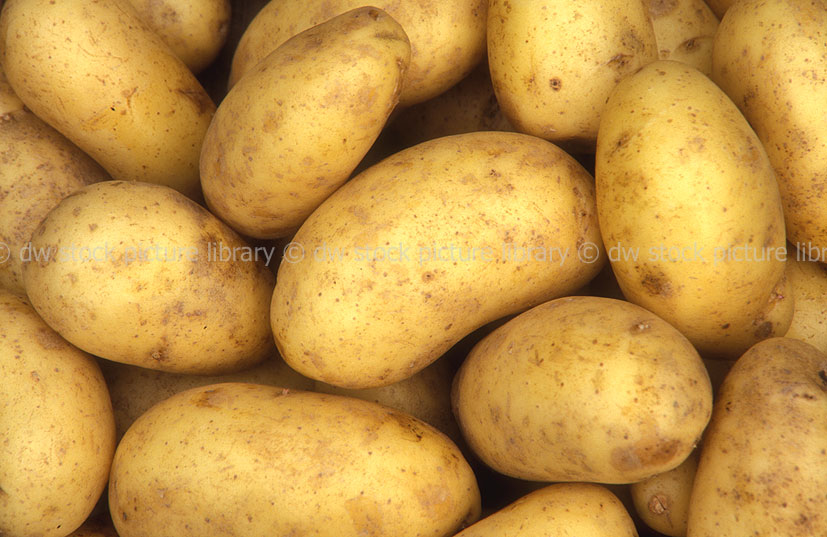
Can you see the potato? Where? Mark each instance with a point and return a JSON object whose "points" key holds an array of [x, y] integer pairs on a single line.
{"points": [[426, 396], [57, 427], [421, 249], [9, 101], [470, 106], [689, 210], [134, 390], [39, 168], [662, 501], [137, 273], [763, 459], [808, 284], [772, 72], [560, 510], [195, 30], [252, 460], [99, 76], [447, 38], [294, 129], [684, 31], [553, 64], [719, 7], [583, 389]]}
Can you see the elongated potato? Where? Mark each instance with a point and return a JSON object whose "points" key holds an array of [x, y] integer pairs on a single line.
{"points": [[56, 425], [98, 75], [763, 465], [447, 38], [662, 501], [554, 63], [295, 128], [259, 461], [690, 211], [421, 249], [583, 389], [581, 509], [772, 71], [195, 30], [137, 273]]}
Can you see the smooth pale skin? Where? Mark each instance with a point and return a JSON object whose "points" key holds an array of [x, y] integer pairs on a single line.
{"points": [[763, 459], [39, 168], [134, 390], [132, 272], [246, 459], [808, 283], [426, 395], [447, 38], [662, 501], [561, 510], [57, 427], [407, 258], [195, 30], [772, 71], [295, 128], [554, 63], [93, 71], [469, 106], [583, 389], [684, 184], [684, 31]]}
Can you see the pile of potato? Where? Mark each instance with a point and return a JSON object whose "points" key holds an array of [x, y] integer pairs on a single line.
{"points": [[416, 268]]}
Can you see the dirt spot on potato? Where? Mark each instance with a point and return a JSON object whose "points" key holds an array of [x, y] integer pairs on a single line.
{"points": [[49, 340], [644, 453], [555, 84], [656, 284], [411, 427], [764, 330], [209, 398], [366, 516], [659, 8]]}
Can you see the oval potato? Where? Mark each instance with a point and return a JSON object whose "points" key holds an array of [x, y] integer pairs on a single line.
{"points": [[662, 501], [690, 211], [261, 461], [423, 248], [138, 273], [57, 427]]}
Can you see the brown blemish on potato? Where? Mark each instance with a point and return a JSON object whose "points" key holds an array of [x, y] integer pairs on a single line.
{"points": [[764, 330], [659, 8], [209, 398], [823, 376], [658, 504], [555, 84], [644, 453], [656, 284], [159, 355], [198, 98], [366, 516], [640, 327], [49, 340], [408, 424]]}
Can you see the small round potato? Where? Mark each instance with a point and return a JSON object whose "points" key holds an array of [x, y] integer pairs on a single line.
{"points": [[662, 501], [583, 389]]}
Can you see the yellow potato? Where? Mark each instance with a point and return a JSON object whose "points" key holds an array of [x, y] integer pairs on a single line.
{"points": [[430, 244], [554, 63], [252, 460], [56, 425], [808, 283], [99, 76], [583, 389], [763, 464], [684, 31], [561, 510], [134, 390], [9, 101], [662, 501], [295, 128], [773, 73], [447, 38], [195, 30], [426, 395], [137, 273], [690, 211], [39, 168], [719, 7]]}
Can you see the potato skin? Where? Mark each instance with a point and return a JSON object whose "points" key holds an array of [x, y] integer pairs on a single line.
{"points": [[113, 88], [294, 129], [261, 461], [447, 38], [195, 30], [131, 272], [57, 427], [808, 284], [583, 389], [553, 64], [684, 31], [662, 501], [673, 147], [9, 101], [763, 459], [772, 72], [407, 258], [581, 509]]}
